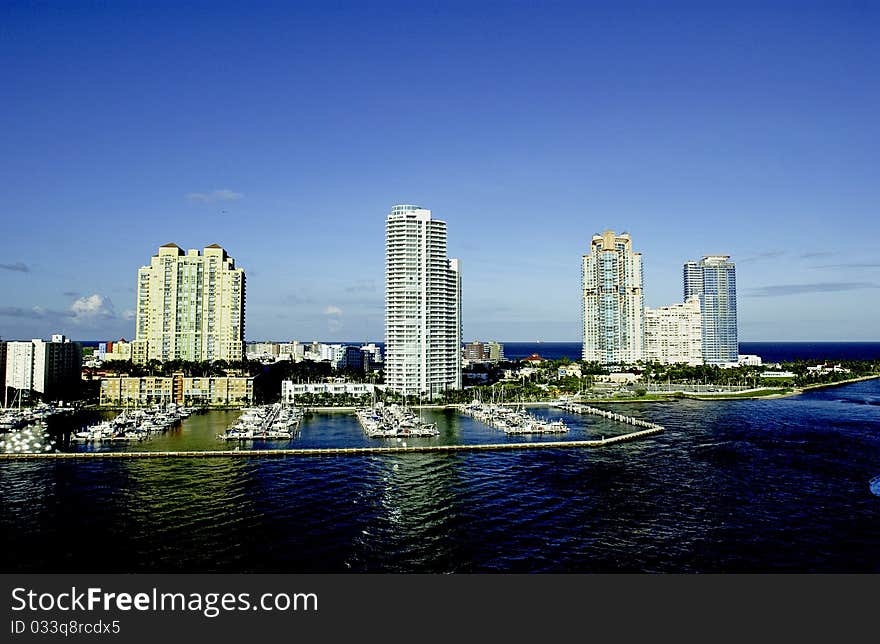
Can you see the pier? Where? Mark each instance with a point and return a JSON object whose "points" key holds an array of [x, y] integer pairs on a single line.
{"points": [[581, 408], [334, 451]]}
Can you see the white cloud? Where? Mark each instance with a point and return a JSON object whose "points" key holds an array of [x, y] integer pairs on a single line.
{"points": [[216, 195], [128, 314], [92, 307], [332, 310]]}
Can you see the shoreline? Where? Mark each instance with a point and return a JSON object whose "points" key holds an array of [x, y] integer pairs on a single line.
{"points": [[649, 398], [825, 385]]}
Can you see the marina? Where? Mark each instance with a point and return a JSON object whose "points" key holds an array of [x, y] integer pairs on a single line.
{"points": [[393, 421], [513, 420], [133, 425], [265, 422], [13, 418]]}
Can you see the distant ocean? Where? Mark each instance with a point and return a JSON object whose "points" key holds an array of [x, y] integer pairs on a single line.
{"points": [[769, 351]]}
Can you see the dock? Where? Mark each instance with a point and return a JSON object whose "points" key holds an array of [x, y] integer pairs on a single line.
{"points": [[336, 451], [580, 408]]}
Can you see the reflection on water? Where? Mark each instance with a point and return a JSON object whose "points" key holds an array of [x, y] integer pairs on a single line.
{"points": [[730, 486]]}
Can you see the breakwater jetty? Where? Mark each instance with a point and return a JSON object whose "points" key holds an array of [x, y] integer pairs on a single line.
{"points": [[581, 408], [336, 451]]}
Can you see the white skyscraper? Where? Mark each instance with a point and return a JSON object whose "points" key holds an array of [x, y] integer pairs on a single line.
{"points": [[190, 306], [673, 334], [422, 305], [613, 302], [51, 369]]}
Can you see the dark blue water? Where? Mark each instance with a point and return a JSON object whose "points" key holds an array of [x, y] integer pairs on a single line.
{"points": [[789, 351], [769, 351], [752, 485]]}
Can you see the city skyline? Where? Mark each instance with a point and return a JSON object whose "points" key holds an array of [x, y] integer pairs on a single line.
{"points": [[746, 131]]}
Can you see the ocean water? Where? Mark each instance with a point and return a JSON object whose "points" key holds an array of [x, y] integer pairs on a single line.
{"points": [[769, 351], [731, 486]]}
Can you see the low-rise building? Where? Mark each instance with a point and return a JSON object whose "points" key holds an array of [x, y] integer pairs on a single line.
{"points": [[522, 372], [290, 390], [569, 371], [749, 360], [823, 369], [119, 350], [618, 378], [374, 351], [264, 351], [293, 351], [351, 358], [124, 391]]}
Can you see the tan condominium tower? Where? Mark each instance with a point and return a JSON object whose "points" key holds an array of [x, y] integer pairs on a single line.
{"points": [[190, 306], [422, 305], [613, 302]]}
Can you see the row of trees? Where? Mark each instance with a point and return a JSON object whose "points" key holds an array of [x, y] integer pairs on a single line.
{"points": [[751, 375], [202, 368]]}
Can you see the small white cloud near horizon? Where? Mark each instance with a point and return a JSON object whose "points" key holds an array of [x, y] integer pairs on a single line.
{"points": [[216, 195], [334, 325], [332, 310]]}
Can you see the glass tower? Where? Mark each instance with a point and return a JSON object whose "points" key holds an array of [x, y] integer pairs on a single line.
{"points": [[713, 279]]}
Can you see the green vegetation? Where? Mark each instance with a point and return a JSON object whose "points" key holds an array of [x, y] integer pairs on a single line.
{"points": [[187, 368], [760, 393], [751, 376]]}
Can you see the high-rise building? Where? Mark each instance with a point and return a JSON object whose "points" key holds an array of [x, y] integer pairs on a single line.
{"points": [[19, 369], [51, 369], [3, 366], [496, 351], [474, 351], [713, 280], [477, 351], [190, 306], [422, 305], [613, 301], [693, 279], [673, 334]]}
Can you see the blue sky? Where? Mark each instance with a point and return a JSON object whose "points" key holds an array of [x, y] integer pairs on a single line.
{"points": [[285, 132]]}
